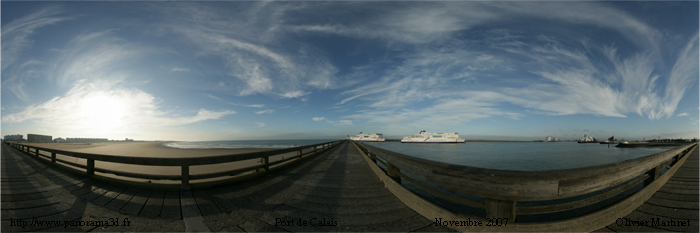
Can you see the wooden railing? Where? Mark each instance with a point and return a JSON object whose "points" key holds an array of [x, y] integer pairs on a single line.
{"points": [[184, 163], [501, 190]]}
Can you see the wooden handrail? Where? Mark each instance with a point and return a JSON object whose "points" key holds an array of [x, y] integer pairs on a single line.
{"points": [[501, 189], [184, 162]]}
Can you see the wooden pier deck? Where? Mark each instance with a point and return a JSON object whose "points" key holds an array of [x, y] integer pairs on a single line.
{"points": [[340, 189], [335, 191], [674, 207]]}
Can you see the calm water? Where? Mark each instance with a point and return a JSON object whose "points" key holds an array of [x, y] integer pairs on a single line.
{"points": [[523, 156], [234, 144]]}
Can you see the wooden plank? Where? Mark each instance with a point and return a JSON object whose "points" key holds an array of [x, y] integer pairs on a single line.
{"points": [[120, 201], [627, 224], [205, 203], [221, 201], [677, 197], [588, 222], [158, 161], [442, 195], [679, 191], [511, 185], [580, 203], [94, 193], [113, 192], [136, 203], [505, 190], [669, 212], [171, 206], [154, 205], [673, 203]]}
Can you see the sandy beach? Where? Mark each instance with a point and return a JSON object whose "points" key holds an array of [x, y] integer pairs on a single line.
{"points": [[155, 149]]}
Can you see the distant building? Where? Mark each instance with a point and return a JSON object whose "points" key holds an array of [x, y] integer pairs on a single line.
{"points": [[549, 139], [87, 140], [39, 138], [128, 140], [14, 138], [59, 140]]}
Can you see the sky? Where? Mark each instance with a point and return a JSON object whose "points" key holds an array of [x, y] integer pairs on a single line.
{"points": [[201, 71]]}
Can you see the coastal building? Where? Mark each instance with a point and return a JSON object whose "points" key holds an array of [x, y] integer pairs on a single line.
{"points": [[59, 140], [86, 140], [38, 138], [549, 139], [14, 138]]}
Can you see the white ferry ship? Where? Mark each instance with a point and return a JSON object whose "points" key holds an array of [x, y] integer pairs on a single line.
{"points": [[375, 137], [434, 137]]}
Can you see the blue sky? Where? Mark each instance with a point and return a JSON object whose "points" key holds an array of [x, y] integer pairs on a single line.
{"points": [[306, 70]]}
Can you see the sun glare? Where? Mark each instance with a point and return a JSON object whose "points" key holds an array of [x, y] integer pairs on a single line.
{"points": [[102, 113]]}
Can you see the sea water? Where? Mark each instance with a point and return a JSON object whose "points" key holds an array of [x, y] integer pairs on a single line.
{"points": [[519, 156], [522, 156]]}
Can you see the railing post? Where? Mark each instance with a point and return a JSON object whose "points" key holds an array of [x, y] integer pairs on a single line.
{"points": [[315, 150], [373, 157], [53, 157], [186, 177], [653, 173], [36, 152], [90, 167], [393, 172], [265, 161], [299, 154], [500, 209]]}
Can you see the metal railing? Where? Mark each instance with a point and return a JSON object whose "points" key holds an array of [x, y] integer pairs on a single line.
{"points": [[500, 190], [184, 163]]}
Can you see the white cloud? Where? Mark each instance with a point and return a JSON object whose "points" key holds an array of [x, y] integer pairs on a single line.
{"points": [[558, 80], [294, 94], [420, 23], [179, 69], [344, 122], [16, 34], [255, 105], [213, 97], [682, 114], [254, 63], [337, 123], [683, 74], [268, 111], [89, 108]]}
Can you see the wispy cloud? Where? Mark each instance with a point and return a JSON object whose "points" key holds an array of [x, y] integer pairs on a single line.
{"points": [[255, 105], [267, 111], [555, 79], [179, 69], [16, 34], [255, 65], [682, 114], [213, 97], [683, 74], [337, 123], [99, 56]]}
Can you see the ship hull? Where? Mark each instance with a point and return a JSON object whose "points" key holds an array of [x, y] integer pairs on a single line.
{"points": [[378, 140], [428, 142]]}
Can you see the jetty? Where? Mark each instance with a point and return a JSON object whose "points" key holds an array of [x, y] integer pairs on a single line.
{"points": [[343, 186]]}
